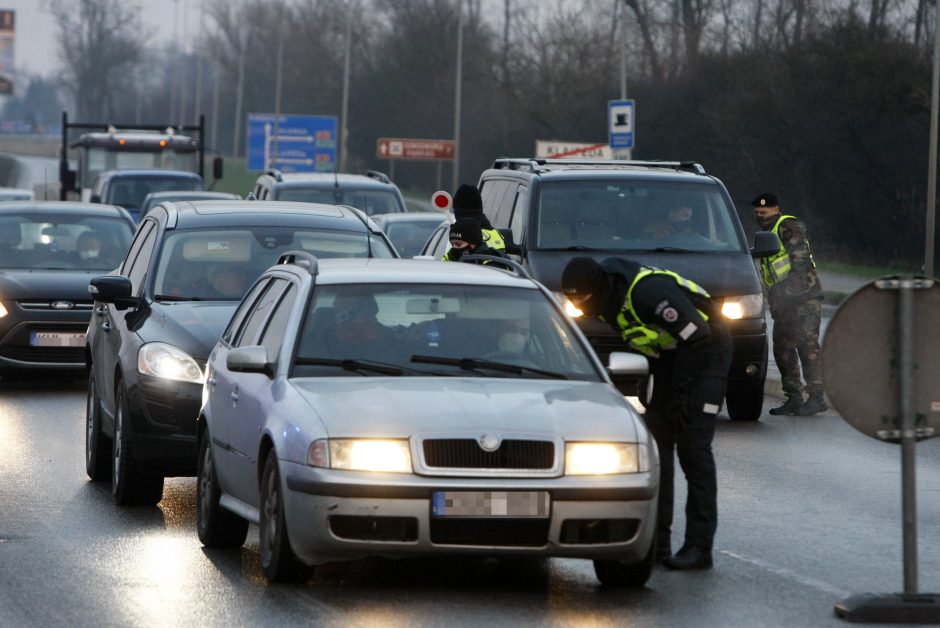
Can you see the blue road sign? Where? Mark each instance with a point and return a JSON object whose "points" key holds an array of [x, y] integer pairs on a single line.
{"points": [[292, 143], [620, 123]]}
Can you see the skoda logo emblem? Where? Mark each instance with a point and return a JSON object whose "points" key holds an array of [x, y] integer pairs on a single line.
{"points": [[62, 305], [489, 442]]}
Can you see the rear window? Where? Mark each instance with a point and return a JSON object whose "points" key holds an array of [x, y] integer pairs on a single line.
{"points": [[622, 215], [130, 193], [371, 201]]}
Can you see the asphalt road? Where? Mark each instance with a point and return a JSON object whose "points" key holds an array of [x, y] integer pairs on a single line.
{"points": [[809, 514]]}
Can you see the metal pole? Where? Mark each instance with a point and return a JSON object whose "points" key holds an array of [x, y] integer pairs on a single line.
{"points": [[908, 434], [344, 128], [623, 64], [932, 167], [216, 71], [456, 174], [200, 64], [440, 169], [174, 85], [236, 132], [277, 90]]}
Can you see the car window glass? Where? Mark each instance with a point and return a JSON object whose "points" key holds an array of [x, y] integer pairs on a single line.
{"points": [[517, 220], [140, 266], [243, 309], [391, 323], [635, 215], [134, 249], [409, 236], [273, 334], [248, 334], [68, 240], [494, 205], [504, 211]]}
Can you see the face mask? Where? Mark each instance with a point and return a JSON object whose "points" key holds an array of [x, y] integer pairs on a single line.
{"points": [[512, 342], [456, 254], [88, 254]]}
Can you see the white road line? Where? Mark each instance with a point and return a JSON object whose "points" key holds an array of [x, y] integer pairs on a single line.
{"points": [[790, 575]]}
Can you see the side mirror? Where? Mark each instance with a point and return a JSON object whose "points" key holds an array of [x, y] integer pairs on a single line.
{"points": [[249, 360], [114, 289], [765, 243], [217, 167], [95, 198], [511, 247], [624, 363]]}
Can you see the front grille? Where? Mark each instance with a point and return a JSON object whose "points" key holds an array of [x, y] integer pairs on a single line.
{"points": [[45, 355], [490, 532], [355, 528], [466, 453], [46, 304]]}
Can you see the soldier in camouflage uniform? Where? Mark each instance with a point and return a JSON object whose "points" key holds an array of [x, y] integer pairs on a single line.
{"points": [[795, 298]]}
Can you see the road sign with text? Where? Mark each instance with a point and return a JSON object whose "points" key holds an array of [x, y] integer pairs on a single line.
{"points": [[292, 143], [551, 149], [620, 118], [415, 149]]}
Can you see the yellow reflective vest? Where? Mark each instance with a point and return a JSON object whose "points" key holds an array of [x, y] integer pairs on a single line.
{"points": [[492, 239], [775, 268], [650, 339]]}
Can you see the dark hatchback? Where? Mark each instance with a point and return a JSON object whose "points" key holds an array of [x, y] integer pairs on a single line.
{"points": [[158, 316], [46, 260]]}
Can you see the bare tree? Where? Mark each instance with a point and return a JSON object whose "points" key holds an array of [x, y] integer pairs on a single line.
{"points": [[99, 47]]}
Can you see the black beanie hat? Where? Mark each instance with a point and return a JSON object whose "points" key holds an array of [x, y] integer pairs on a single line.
{"points": [[467, 201], [466, 229], [583, 276]]}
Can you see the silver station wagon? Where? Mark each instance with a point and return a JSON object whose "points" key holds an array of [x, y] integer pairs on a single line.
{"points": [[401, 408]]}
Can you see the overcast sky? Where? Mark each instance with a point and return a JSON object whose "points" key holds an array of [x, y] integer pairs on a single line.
{"points": [[36, 50]]}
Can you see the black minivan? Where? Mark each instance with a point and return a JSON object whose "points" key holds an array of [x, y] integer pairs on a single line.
{"points": [[670, 215]]}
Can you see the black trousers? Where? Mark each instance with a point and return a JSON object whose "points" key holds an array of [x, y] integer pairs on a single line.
{"points": [[688, 389]]}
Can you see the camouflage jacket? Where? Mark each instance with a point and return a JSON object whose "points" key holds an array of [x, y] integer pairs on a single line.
{"points": [[802, 283]]}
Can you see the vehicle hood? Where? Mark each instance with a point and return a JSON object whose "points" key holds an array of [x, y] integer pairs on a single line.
{"points": [[70, 285], [193, 327], [401, 407], [722, 274]]}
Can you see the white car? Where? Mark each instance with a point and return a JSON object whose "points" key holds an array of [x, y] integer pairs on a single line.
{"points": [[401, 408]]}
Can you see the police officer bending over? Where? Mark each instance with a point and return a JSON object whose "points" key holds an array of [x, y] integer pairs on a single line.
{"points": [[674, 322], [466, 238]]}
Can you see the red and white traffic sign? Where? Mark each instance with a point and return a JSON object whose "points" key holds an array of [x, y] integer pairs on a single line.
{"points": [[553, 149], [415, 149], [441, 201]]}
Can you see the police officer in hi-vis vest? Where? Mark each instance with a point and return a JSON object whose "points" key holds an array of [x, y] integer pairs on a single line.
{"points": [[795, 298], [675, 323], [469, 204]]}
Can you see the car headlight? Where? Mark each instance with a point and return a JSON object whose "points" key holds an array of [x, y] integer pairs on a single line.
{"points": [[165, 361], [745, 306], [381, 456], [569, 307], [605, 458], [3, 311]]}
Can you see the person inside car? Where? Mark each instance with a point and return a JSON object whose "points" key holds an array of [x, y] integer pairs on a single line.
{"points": [[227, 281]]}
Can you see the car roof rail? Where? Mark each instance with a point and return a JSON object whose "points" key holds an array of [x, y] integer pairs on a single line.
{"points": [[300, 258], [274, 172], [538, 165], [379, 176], [496, 259]]}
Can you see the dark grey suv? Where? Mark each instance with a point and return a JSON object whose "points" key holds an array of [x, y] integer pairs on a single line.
{"points": [[373, 193], [556, 209]]}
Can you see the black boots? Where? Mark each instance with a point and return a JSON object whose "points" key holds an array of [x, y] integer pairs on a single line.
{"points": [[813, 405], [793, 405], [690, 557]]}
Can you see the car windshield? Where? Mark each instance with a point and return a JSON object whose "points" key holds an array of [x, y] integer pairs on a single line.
{"points": [[67, 240], [371, 201], [220, 264], [439, 330], [409, 236], [130, 192], [619, 215]]}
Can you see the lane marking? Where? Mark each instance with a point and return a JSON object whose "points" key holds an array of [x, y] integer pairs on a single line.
{"points": [[790, 575]]}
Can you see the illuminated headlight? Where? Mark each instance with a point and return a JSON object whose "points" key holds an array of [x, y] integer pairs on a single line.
{"points": [[167, 362], [3, 311], [746, 306], [381, 456], [605, 458], [570, 308]]}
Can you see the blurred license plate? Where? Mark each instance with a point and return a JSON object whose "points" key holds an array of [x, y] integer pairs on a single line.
{"points": [[56, 339], [491, 504]]}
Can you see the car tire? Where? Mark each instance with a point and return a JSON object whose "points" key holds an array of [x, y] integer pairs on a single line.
{"points": [[97, 446], [217, 527], [129, 486], [746, 404], [278, 560], [613, 573]]}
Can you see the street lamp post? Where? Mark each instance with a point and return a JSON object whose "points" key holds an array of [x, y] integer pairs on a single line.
{"points": [[344, 128], [456, 180], [932, 161]]}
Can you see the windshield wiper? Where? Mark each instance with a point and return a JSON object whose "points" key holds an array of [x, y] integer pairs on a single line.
{"points": [[473, 364], [363, 366], [673, 249], [170, 297]]}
